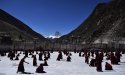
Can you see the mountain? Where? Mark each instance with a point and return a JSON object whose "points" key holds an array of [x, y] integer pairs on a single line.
{"points": [[13, 27], [107, 21]]}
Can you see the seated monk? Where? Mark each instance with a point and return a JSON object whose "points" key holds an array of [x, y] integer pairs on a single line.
{"points": [[68, 58], [40, 69], [17, 58], [108, 66], [45, 63], [92, 62]]}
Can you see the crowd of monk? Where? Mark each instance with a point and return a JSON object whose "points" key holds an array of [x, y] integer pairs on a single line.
{"points": [[92, 58]]}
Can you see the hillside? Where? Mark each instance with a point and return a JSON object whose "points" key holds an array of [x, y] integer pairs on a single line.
{"points": [[106, 21], [14, 27]]}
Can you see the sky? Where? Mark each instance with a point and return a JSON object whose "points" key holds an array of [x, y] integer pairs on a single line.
{"points": [[48, 16]]}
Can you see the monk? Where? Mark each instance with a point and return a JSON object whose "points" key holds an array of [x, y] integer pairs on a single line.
{"points": [[40, 69], [108, 66], [21, 65]]}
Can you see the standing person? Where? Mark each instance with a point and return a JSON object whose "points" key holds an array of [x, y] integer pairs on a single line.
{"points": [[48, 54], [12, 55], [92, 53], [118, 56], [40, 56], [113, 59], [59, 56], [80, 54], [26, 53], [21, 65], [34, 60], [87, 59], [99, 63]]}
